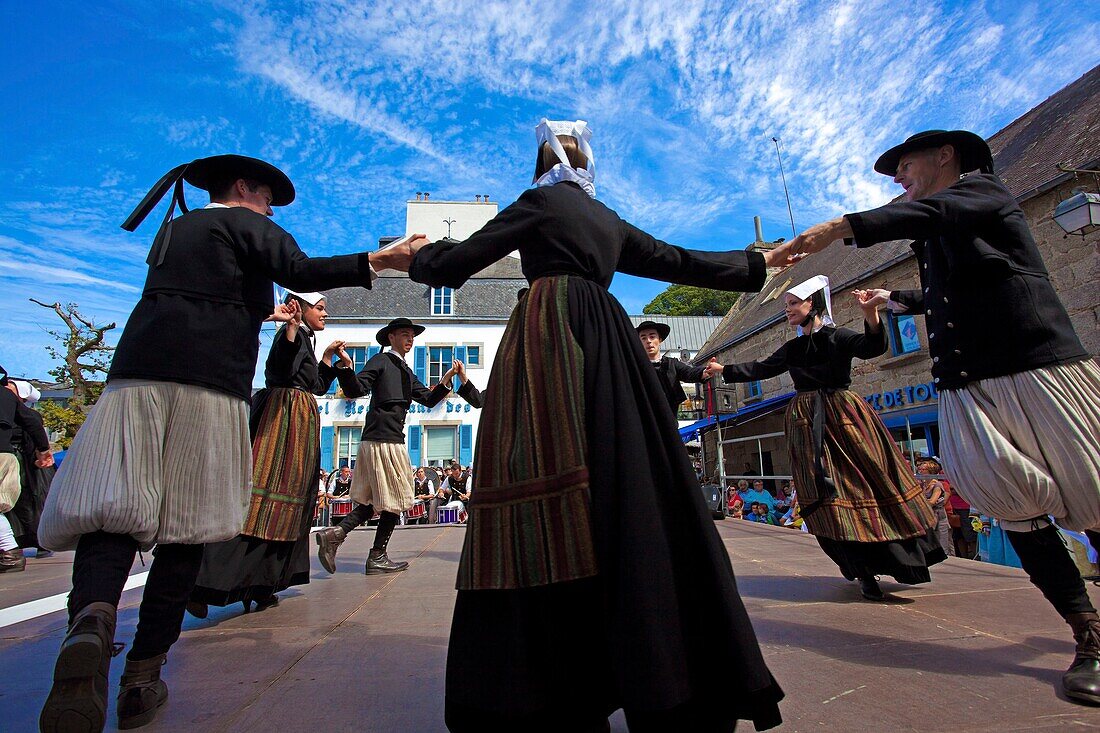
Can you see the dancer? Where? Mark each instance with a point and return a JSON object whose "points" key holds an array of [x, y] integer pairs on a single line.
{"points": [[1019, 395], [382, 467], [164, 457], [588, 546], [272, 551], [858, 495], [16, 416], [34, 479], [671, 372]]}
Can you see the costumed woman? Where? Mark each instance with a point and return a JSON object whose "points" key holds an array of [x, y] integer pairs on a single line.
{"points": [[272, 551], [857, 494], [34, 479], [609, 583]]}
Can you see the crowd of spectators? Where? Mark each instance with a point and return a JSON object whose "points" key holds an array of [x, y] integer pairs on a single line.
{"points": [[433, 489]]}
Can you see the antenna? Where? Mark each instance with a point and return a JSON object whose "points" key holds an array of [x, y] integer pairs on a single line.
{"points": [[794, 232]]}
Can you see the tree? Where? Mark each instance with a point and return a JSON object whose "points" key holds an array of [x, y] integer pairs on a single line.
{"points": [[686, 300], [83, 355]]}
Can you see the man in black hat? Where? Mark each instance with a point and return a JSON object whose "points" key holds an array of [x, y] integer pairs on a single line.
{"points": [[164, 458], [14, 415], [383, 475], [1019, 395], [671, 372]]}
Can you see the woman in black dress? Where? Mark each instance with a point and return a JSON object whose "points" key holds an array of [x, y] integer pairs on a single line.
{"points": [[272, 552], [586, 585], [857, 494]]}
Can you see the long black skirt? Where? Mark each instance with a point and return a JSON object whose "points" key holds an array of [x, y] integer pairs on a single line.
{"points": [[661, 630], [906, 561], [248, 568], [34, 487]]}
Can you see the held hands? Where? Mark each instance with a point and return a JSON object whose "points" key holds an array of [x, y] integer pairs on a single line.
{"points": [[43, 458], [285, 313], [871, 299], [399, 257], [820, 236], [460, 370], [713, 368], [781, 256], [337, 348]]}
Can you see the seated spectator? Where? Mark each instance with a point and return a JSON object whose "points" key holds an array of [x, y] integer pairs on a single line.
{"points": [[760, 513], [735, 504], [761, 495]]}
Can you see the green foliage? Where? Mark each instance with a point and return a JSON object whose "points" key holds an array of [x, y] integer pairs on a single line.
{"points": [[686, 300], [61, 418]]}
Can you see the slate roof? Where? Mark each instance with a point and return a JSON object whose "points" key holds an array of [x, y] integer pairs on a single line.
{"points": [[488, 295], [687, 333], [1063, 129]]}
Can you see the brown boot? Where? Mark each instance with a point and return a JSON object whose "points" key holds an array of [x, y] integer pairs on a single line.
{"points": [[329, 540], [140, 692], [1081, 682], [12, 561], [78, 698]]}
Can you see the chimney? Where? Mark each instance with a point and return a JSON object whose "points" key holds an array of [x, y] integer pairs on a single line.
{"points": [[418, 195], [759, 229], [486, 196], [426, 195], [478, 197]]}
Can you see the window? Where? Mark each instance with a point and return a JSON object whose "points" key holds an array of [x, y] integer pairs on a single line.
{"points": [[754, 389], [903, 334], [439, 361], [359, 356], [473, 357], [726, 402], [347, 446], [443, 301], [440, 446]]}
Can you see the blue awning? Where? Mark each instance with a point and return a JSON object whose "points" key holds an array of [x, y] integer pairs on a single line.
{"points": [[919, 415], [690, 432]]}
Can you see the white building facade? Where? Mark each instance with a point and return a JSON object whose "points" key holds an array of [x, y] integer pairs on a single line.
{"points": [[465, 324]]}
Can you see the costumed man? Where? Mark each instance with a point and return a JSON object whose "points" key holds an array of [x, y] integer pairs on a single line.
{"points": [[16, 416], [671, 372], [860, 499], [382, 467], [164, 458], [34, 479], [1019, 395]]}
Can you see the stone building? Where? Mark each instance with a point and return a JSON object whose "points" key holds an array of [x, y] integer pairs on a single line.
{"points": [[1064, 130]]}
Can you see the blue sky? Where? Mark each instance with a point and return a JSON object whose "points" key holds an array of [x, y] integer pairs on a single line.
{"points": [[363, 104]]}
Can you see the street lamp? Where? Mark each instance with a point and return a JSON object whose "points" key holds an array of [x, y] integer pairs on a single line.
{"points": [[1080, 213]]}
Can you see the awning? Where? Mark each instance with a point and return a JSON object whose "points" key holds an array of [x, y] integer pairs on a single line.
{"points": [[917, 415], [692, 431]]}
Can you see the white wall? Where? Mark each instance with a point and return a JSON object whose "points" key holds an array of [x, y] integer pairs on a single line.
{"points": [[428, 217], [453, 411]]}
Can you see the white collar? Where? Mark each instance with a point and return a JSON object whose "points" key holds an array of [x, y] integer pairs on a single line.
{"points": [[216, 205]]}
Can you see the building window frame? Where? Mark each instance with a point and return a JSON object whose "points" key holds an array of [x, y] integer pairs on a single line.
{"points": [[440, 357], [903, 332], [754, 390], [347, 444], [479, 363], [442, 301]]}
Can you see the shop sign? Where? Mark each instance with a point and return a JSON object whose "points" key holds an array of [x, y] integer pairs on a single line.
{"points": [[348, 408], [910, 394]]}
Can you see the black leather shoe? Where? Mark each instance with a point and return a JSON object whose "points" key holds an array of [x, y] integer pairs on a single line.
{"points": [[380, 562], [264, 603], [869, 589], [196, 609], [78, 698], [1081, 682]]}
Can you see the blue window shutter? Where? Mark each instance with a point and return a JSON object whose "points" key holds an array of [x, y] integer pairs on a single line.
{"points": [[328, 456], [372, 351], [465, 444], [414, 444], [420, 363], [460, 355]]}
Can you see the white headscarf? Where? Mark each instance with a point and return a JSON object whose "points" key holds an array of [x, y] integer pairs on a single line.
{"points": [[26, 391], [547, 132], [805, 289]]}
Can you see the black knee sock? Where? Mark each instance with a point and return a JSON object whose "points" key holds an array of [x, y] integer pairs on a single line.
{"points": [[357, 516], [100, 568], [385, 528], [1051, 569], [171, 580]]}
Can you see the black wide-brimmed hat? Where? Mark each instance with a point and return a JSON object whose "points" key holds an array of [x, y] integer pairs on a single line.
{"points": [[217, 169], [383, 336], [973, 152], [662, 329]]}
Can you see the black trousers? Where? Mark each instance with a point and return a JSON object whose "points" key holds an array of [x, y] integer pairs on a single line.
{"points": [[361, 513], [100, 569], [1051, 570]]}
